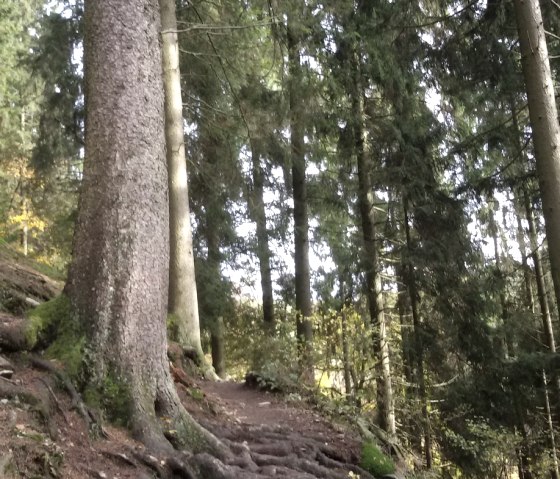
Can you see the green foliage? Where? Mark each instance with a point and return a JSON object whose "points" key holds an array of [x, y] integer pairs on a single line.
{"points": [[250, 347], [482, 450], [374, 461]]}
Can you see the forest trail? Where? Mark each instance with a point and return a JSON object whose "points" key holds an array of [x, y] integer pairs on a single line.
{"points": [[42, 433], [248, 407], [284, 436], [268, 434]]}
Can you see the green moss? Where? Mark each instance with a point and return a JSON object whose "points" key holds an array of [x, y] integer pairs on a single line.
{"points": [[196, 394], [374, 461], [53, 325], [172, 327], [45, 319], [113, 397]]}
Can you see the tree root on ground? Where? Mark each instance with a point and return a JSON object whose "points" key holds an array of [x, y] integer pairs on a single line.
{"points": [[13, 336], [272, 454], [93, 423]]}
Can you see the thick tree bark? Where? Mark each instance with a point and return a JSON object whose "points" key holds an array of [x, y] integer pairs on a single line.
{"points": [[370, 260], [299, 186], [118, 278], [257, 207], [544, 122], [183, 301]]}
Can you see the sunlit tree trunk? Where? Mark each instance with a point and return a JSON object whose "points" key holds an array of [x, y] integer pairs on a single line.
{"points": [[544, 123], [183, 301], [119, 274]]}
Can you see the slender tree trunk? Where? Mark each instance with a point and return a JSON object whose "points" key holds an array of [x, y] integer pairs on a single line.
{"points": [[541, 294], [217, 343], [24, 238], [521, 241], [539, 276], [370, 259], [183, 301], [257, 207], [119, 274], [554, 471], [410, 422], [347, 367], [544, 122], [548, 331], [299, 187], [418, 344], [507, 343], [214, 260]]}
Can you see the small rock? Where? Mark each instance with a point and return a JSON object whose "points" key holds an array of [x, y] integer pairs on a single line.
{"points": [[264, 403], [6, 368]]}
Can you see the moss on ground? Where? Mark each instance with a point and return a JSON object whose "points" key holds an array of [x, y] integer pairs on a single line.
{"points": [[374, 461]]}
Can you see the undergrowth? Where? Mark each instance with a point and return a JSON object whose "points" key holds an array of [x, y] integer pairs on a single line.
{"points": [[374, 461]]}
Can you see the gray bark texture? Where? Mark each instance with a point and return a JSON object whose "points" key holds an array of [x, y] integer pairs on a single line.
{"points": [[304, 306], [119, 274], [544, 123], [257, 207], [183, 300]]}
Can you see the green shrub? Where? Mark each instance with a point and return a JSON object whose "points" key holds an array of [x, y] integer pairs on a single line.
{"points": [[374, 461]]}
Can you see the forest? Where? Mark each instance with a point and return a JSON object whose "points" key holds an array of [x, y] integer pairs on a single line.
{"points": [[354, 204]]}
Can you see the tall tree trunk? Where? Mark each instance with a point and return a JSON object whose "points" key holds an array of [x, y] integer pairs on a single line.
{"points": [[507, 344], [521, 241], [257, 207], [544, 122], [347, 367], [119, 274], [183, 301], [548, 331], [299, 187], [418, 343], [214, 260], [370, 259]]}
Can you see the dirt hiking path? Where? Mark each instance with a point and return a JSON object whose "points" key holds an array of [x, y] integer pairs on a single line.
{"points": [[274, 437]]}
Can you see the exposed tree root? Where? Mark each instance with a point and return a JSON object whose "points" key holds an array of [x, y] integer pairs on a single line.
{"points": [[92, 421], [188, 358], [9, 390], [13, 333], [292, 458]]}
